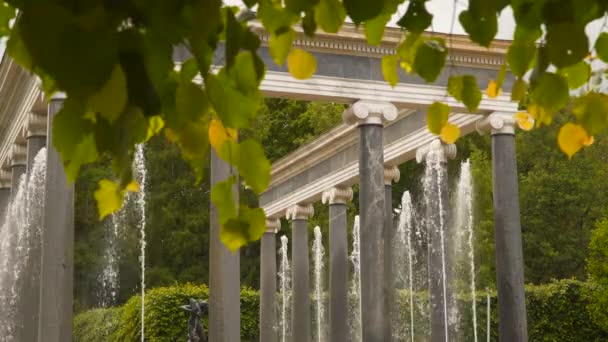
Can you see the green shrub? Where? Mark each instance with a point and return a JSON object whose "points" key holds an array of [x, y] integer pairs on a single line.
{"points": [[597, 266], [556, 312], [96, 325]]}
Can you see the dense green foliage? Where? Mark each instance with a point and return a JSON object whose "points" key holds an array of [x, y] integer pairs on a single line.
{"points": [[556, 312], [114, 62], [597, 266]]}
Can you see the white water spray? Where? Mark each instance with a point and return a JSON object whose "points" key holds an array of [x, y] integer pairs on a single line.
{"points": [[404, 239], [284, 288], [318, 266], [140, 176], [355, 290]]}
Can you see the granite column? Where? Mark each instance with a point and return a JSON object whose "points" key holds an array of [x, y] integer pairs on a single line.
{"points": [[268, 282]]}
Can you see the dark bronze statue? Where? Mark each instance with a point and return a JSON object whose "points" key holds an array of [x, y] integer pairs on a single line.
{"points": [[196, 331]]}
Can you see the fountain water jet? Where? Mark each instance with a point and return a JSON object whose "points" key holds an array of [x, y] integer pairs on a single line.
{"points": [[355, 290], [140, 176], [403, 245], [284, 289], [318, 267]]}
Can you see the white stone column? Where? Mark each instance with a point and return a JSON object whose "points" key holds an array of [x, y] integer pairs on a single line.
{"points": [[5, 192], [507, 228], [337, 198], [370, 117], [435, 156], [391, 175], [18, 165], [300, 324], [268, 281], [36, 136]]}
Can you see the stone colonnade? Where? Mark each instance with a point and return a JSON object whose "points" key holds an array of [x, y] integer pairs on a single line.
{"points": [[377, 227]]}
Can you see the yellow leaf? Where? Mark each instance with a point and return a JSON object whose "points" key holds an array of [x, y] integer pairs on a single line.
{"points": [[572, 138], [493, 89], [406, 66], [301, 64], [449, 133], [540, 114], [218, 134], [109, 198], [279, 45], [133, 186], [170, 135], [589, 141], [111, 99], [524, 120], [155, 125], [389, 69]]}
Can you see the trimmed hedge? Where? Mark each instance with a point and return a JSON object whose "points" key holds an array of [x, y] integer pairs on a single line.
{"points": [[556, 312]]}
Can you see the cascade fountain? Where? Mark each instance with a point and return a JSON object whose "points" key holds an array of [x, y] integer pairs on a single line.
{"points": [[109, 277], [318, 253], [284, 290], [355, 290], [464, 252], [140, 175], [20, 241]]}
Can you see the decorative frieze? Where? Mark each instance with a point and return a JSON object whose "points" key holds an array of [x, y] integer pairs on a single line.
{"points": [[369, 113], [436, 149], [337, 195], [391, 174], [300, 212]]}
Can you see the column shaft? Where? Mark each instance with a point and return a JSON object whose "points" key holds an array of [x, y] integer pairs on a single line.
{"points": [[268, 288], [17, 170], [509, 255], [30, 293], [300, 282], [57, 271], [224, 271], [372, 213], [338, 273], [5, 197], [389, 280]]}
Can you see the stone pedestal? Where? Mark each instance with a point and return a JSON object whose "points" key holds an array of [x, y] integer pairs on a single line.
{"points": [[338, 262], [224, 271], [507, 229], [435, 156], [370, 116], [391, 174], [300, 325], [268, 282], [57, 270]]}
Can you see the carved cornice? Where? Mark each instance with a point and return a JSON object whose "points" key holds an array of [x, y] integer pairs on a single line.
{"points": [[369, 113], [36, 125], [391, 174], [497, 123], [337, 195], [18, 155], [300, 212], [273, 225], [436, 149]]}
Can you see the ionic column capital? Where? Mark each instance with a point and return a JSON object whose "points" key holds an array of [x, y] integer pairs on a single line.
{"points": [[369, 113], [36, 125], [337, 195], [391, 174], [436, 149], [273, 225], [497, 123], [5, 179], [18, 155], [300, 212]]}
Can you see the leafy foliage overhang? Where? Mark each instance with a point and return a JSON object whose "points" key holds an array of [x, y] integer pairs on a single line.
{"points": [[114, 61]]}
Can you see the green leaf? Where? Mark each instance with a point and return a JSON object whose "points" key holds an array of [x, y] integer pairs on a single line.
{"points": [[541, 65], [109, 197], [85, 152], [275, 19], [301, 64], [464, 89], [193, 140], [437, 116], [330, 15], [519, 90], [249, 227], [430, 58], [6, 14], [234, 108], [577, 74], [280, 45], [407, 50], [551, 93], [417, 18], [111, 99], [520, 56], [188, 70], [374, 28], [190, 102], [567, 44], [222, 198], [253, 165], [363, 10], [601, 46], [481, 26], [309, 25], [389, 69], [592, 112], [297, 6], [501, 75], [244, 73]]}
